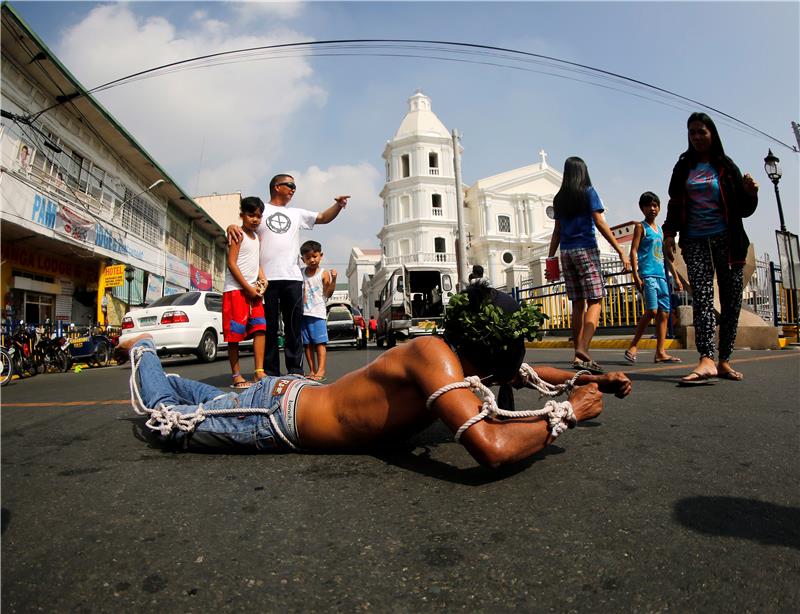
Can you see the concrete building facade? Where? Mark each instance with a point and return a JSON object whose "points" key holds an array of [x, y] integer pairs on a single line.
{"points": [[82, 201]]}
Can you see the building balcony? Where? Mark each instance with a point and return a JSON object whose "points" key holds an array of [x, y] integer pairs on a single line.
{"points": [[433, 171], [434, 258]]}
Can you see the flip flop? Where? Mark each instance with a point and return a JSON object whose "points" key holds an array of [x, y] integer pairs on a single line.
{"points": [[241, 385], [588, 365], [630, 356], [667, 359], [317, 378], [699, 379], [731, 375]]}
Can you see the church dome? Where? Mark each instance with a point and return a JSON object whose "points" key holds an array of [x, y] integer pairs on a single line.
{"points": [[420, 120]]}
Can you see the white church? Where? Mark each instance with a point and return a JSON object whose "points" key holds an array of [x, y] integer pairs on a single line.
{"points": [[508, 217]]}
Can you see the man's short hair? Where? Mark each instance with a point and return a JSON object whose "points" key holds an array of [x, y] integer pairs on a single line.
{"points": [[477, 272], [251, 204], [309, 247], [276, 180]]}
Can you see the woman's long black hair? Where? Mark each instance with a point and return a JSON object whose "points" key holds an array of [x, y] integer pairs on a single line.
{"points": [[571, 199], [717, 151]]}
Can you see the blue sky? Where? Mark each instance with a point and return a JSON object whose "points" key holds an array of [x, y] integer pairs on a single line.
{"points": [[327, 119]]}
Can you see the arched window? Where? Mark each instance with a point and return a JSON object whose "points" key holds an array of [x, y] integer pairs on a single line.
{"points": [[433, 163], [440, 247], [503, 223], [405, 207], [405, 161], [436, 203]]}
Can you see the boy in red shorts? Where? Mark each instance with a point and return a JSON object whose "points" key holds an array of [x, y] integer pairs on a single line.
{"points": [[242, 305]]}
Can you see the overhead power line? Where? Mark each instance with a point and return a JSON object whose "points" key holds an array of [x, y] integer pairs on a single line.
{"points": [[471, 53]]}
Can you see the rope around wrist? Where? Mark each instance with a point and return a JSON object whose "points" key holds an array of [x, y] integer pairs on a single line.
{"points": [[559, 415], [532, 380]]}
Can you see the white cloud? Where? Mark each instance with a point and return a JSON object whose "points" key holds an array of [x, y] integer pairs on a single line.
{"points": [[213, 129], [358, 224], [258, 10]]}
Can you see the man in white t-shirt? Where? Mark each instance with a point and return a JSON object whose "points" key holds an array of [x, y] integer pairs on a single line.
{"points": [[279, 234]]}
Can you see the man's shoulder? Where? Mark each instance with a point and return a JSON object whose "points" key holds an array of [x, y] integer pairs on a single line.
{"points": [[430, 348]]}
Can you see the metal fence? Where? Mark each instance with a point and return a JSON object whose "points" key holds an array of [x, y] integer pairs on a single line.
{"points": [[764, 294], [621, 307]]}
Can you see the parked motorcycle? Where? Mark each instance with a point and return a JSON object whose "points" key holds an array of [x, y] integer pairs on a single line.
{"points": [[93, 347], [22, 357], [6, 367], [51, 351]]}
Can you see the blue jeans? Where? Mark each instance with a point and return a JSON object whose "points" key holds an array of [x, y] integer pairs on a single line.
{"points": [[244, 432]]}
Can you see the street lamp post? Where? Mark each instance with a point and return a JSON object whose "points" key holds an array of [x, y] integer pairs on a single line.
{"points": [[787, 242], [773, 169], [129, 270]]}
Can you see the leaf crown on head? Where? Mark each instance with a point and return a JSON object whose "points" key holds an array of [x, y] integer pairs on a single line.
{"points": [[489, 324]]}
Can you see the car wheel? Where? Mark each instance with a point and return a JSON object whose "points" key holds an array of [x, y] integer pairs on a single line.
{"points": [[391, 340], [207, 350], [103, 355]]}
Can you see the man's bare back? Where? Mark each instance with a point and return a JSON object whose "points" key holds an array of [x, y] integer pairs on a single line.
{"points": [[386, 400]]}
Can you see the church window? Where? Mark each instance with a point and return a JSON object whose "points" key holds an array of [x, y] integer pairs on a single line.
{"points": [[440, 247], [436, 202], [388, 172], [433, 163], [405, 208], [508, 257], [405, 161], [503, 223]]}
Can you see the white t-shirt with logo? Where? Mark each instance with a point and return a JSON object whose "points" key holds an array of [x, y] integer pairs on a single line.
{"points": [[279, 234]]}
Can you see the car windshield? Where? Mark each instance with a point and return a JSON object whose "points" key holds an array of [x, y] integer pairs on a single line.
{"points": [[183, 298], [339, 314]]}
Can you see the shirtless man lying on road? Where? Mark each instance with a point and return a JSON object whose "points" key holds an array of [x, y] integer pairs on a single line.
{"points": [[400, 393]]}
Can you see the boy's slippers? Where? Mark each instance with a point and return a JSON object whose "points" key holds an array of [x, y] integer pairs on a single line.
{"points": [[667, 359], [587, 365], [630, 356], [241, 385], [697, 379]]}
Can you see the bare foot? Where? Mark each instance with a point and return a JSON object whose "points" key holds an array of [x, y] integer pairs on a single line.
{"points": [[587, 402], [705, 368], [726, 371], [129, 343], [259, 375]]}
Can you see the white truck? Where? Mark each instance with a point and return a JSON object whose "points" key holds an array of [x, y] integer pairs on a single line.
{"points": [[412, 303]]}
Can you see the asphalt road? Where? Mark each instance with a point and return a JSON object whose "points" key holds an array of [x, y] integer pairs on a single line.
{"points": [[675, 499]]}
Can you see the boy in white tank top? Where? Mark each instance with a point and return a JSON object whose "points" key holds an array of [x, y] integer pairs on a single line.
{"points": [[318, 286], [242, 305]]}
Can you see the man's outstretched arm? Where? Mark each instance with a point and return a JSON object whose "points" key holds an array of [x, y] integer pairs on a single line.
{"points": [[324, 217], [616, 382], [491, 442]]}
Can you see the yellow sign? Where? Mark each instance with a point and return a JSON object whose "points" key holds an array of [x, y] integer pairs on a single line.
{"points": [[115, 275]]}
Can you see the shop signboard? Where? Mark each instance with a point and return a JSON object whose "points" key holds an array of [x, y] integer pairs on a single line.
{"points": [[115, 275], [177, 272], [201, 280], [155, 288]]}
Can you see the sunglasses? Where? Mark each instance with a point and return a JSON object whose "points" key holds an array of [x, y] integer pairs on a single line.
{"points": [[289, 184]]}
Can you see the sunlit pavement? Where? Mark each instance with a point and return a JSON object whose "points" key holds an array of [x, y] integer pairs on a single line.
{"points": [[675, 499]]}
